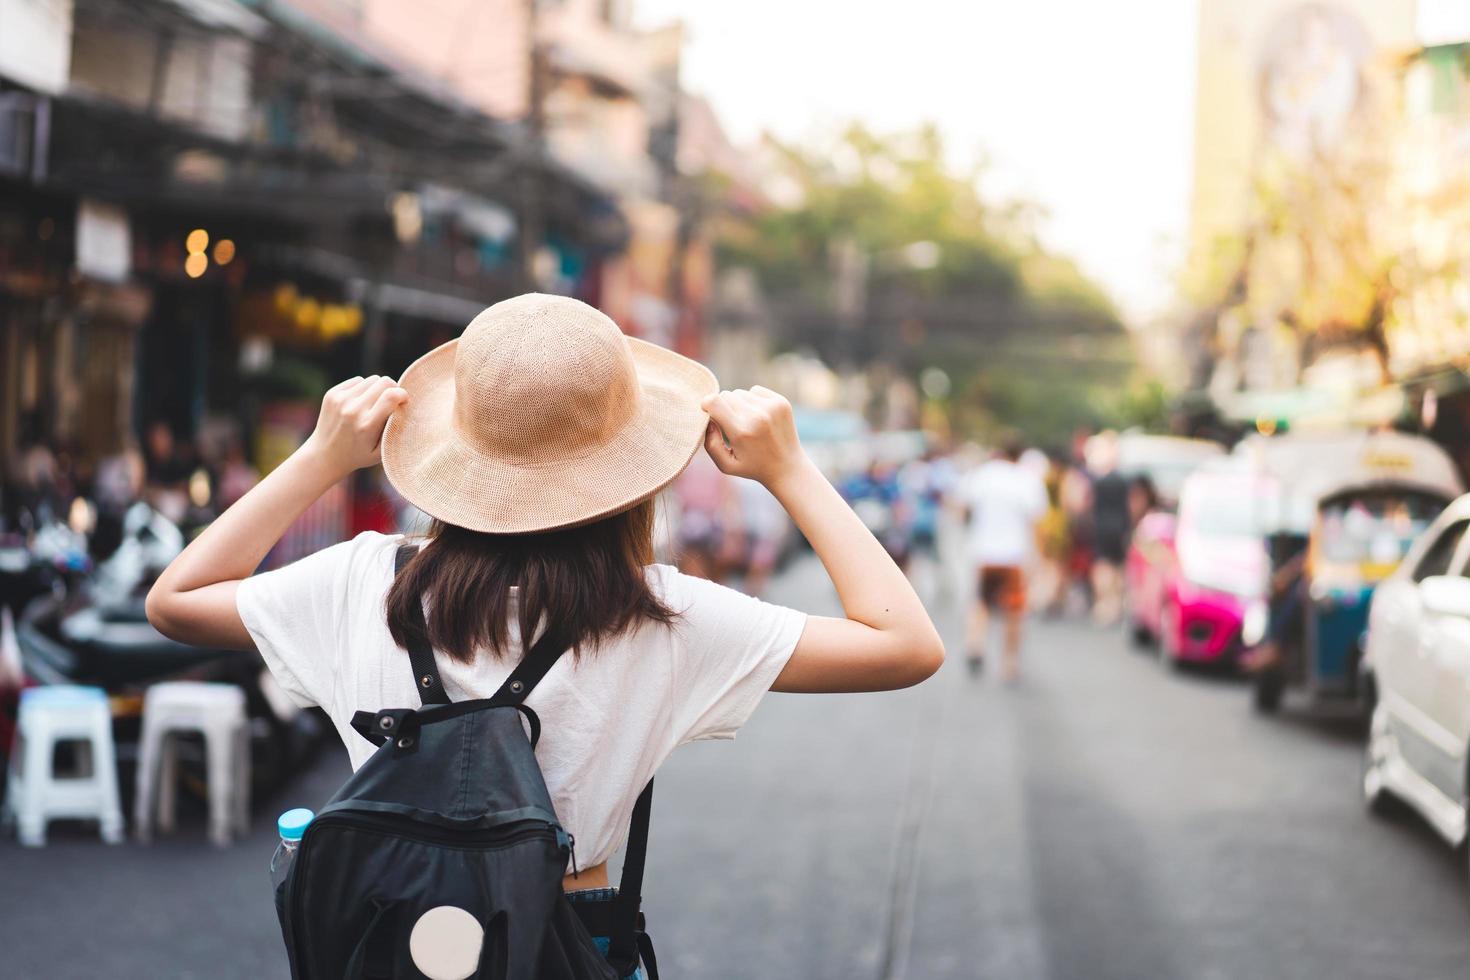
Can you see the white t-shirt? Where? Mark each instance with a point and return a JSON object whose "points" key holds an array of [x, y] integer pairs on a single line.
{"points": [[1005, 500], [608, 720]]}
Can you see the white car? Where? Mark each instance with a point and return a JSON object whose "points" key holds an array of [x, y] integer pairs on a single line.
{"points": [[1418, 666]]}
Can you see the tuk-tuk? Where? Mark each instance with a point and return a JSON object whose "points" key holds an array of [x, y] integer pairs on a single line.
{"points": [[1341, 513], [1165, 461]]}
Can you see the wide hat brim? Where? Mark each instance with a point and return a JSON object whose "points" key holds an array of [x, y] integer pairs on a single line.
{"points": [[438, 472]]}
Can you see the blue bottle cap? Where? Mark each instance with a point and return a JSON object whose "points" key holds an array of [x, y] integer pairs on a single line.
{"points": [[292, 823]]}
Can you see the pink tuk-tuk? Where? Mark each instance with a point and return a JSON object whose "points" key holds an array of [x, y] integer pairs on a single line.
{"points": [[1196, 581]]}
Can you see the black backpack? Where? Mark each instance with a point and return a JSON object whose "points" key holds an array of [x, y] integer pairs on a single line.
{"points": [[452, 810]]}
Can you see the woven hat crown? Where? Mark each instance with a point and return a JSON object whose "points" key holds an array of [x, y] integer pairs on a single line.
{"points": [[539, 377]]}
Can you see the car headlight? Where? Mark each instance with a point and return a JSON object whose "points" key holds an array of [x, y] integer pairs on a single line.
{"points": [[1254, 622]]}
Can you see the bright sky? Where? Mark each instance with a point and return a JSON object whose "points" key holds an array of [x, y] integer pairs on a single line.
{"points": [[1083, 106]]}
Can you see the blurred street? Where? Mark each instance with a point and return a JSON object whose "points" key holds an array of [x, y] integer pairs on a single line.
{"points": [[1154, 317], [1102, 818]]}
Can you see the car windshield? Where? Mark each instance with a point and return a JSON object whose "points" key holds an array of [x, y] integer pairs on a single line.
{"points": [[1374, 528], [1223, 513]]}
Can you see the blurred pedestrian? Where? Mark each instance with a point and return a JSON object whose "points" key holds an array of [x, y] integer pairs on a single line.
{"points": [[764, 525], [1074, 494], [1286, 596], [1053, 540], [875, 495], [34, 493], [924, 484], [236, 474], [1005, 501], [118, 485], [1111, 527], [543, 531], [169, 469], [1143, 498], [709, 519]]}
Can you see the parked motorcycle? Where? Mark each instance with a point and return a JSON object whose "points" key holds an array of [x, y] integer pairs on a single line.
{"points": [[89, 627]]}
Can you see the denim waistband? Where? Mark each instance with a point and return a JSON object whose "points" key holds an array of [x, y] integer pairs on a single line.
{"points": [[592, 895]]}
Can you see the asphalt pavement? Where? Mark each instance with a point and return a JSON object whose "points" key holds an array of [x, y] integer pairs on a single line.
{"points": [[1101, 818]]}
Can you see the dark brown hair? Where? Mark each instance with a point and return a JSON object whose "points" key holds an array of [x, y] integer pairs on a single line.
{"points": [[585, 582]]}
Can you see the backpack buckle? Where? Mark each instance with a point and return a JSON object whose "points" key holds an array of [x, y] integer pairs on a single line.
{"points": [[399, 725]]}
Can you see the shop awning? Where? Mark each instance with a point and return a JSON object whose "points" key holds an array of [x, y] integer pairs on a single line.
{"points": [[1315, 408]]}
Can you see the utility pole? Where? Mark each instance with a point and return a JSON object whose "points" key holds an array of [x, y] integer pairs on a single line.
{"points": [[532, 206]]}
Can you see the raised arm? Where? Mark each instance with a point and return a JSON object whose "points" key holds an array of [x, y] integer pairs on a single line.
{"points": [[193, 601], [887, 640]]}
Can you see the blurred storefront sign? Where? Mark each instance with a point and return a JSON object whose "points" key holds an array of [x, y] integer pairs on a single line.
{"points": [[104, 241], [286, 313], [35, 43]]}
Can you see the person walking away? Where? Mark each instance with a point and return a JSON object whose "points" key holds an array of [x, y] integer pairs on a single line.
{"points": [[1053, 535], [537, 442], [1005, 501], [1075, 494], [765, 525], [709, 516], [236, 474], [924, 483], [1143, 499], [1112, 526], [875, 495]]}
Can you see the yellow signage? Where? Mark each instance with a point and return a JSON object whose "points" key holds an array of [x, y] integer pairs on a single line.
{"points": [[1393, 462]]}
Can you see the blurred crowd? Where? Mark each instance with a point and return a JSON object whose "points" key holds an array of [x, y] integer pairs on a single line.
{"points": [[188, 482], [922, 506], [926, 511]]}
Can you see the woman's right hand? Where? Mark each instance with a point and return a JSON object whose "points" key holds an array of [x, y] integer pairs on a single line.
{"points": [[349, 430], [753, 434], [194, 600]]}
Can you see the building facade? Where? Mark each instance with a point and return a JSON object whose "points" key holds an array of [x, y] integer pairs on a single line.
{"points": [[209, 210]]}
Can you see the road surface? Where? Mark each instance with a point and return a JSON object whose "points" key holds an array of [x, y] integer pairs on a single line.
{"points": [[1102, 818]]}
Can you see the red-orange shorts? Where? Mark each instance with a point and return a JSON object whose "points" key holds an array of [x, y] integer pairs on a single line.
{"points": [[1003, 587]]}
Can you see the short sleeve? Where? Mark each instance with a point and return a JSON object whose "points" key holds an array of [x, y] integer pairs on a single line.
{"points": [[296, 614], [730, 650]]}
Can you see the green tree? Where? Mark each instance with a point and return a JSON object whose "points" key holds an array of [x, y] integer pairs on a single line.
{"points": [[881, 251]]}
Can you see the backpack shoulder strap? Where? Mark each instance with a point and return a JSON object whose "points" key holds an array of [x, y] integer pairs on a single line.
{"points": [[539, 659], [632, 880], [425, 673], [545, 652], [628, 938]]}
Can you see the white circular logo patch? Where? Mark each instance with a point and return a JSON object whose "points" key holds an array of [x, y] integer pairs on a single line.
{"points": [[445, 943]]}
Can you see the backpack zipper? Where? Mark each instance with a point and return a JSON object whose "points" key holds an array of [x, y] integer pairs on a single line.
{"points": [[390, 826], [499, 836]]}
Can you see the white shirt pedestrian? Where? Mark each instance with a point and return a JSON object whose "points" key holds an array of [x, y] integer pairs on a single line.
{"points": [[1005, 501]]}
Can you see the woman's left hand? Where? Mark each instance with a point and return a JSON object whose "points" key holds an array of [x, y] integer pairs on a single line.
{"points": [[349, 430]]}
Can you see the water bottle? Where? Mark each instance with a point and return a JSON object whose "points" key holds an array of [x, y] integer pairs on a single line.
{"points": [[291, 824]]}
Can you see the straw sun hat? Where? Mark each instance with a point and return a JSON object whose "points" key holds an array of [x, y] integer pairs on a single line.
{"points": [[543, 415]]}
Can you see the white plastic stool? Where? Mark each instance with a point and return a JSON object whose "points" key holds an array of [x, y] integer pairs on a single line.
{"points": [[36, 794], [217, 711]]}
